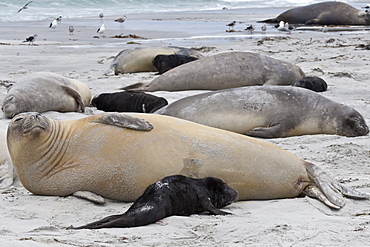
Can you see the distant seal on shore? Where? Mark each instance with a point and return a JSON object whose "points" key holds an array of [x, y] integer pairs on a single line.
{"points": [[172, 195], [135, 150], [325, 13], [140, 59], [164, 63], [128, 101], [313, 83], [224, 70], [269, 112], [45, 91]]}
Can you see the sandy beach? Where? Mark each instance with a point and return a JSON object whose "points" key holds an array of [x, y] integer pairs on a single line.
{"points": [[337, 57]]}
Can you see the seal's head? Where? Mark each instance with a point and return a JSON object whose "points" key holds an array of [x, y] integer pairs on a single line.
{"points": [[10, 106], [353, 124], [221, 193]]}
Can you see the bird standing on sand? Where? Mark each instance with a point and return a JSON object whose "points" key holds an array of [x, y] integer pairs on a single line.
{"points": [[24, 7], [250, 28], [325, 29], [59, 19], [31, 39], [101, 16], [288, 27], [264, 28], [54, 24], [231, 25], [101, 30], [281, 26], [71, 30], [121, 20]]}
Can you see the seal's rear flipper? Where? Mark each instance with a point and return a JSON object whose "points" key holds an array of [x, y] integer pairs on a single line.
{"points": [[124, 121], [140, 86], [87, 195], [329, 191], [74, 94]]}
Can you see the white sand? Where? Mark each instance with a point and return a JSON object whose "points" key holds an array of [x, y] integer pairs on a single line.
{"points": [[29, 220]]}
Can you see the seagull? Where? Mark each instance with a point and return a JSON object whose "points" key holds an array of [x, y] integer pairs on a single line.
{"points": [[288, 27], [101, 15], [31, 39], [121, 19], [59, 19], [231, 25], [281, 26], [101, 30], [250, 28], [54, 24], [325, 29], [264, 28], [71, 29], [24, 7]]}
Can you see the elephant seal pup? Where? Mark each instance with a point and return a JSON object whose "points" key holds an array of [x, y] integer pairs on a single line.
{"points": [[313, 83], [269, 112], [140, 59], [118, 155], [172, 195], [128, 101], [45, 91], [164, 63], [224, 70], [325, 13]]}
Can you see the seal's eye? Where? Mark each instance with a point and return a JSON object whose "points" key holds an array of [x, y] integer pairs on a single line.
{"points": [[18, 119]]}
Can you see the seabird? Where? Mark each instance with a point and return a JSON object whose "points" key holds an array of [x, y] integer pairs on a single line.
{"points": [[264, 28], [231, 25], [101, 30], [281, 26], [250, 28], [71, 29], [121, 19], [53, 25], [288, 27], [24, 7], [325, 29], [31, 39], [59, 19]]}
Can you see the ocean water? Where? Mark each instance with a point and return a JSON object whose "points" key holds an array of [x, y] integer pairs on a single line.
{"points": [[46, 9]]}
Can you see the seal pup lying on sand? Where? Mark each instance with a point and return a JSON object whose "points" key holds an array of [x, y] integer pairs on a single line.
{"points": [[128, 101], [172, 195], [45, 91], [269, 112], [140, 59], [118, 155], [164, 63], [224, 70], [313, 83], [325, 13]]}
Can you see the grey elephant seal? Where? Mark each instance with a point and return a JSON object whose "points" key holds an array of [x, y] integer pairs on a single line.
{"points": [[140, 59], [128, 101], [45, 91], [224, 70], [269, 112], [172, 195], [135, 150], [325, 13], [313, 83]]}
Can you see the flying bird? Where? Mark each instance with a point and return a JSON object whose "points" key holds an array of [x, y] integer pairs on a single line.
{"points": [[24, 7], [31, 39]]}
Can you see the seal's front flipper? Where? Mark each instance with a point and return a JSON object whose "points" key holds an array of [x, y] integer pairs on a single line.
{"points": [[87, 195], [140, 86], [124, 121], [77, 97], [274, 131], [208, 206]]}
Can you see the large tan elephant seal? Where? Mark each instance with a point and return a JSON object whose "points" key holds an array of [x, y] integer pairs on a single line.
{"points": [[45, 91], [140, 59], [224, 70], [118, 156], [269, 112], [325, 13]]}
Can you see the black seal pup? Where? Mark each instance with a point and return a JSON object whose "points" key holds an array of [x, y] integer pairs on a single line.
{"points": [[164, 63], [172, 195], [128, 101], [313, 83]]}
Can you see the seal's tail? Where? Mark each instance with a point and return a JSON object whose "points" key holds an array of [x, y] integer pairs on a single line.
{"points": [[140, 86], [328, 190]]}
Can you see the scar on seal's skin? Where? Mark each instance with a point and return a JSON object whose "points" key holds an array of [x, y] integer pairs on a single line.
{"points": [[191, 167]]}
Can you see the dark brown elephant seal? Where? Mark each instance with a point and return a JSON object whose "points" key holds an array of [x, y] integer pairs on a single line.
{"points": [[45, 91], [325, 13], [269, 112], [172, 195], [224, 70], [118, 155]]}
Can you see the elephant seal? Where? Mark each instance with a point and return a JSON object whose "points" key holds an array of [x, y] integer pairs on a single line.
{"points": [[140, 59], [7, 173], [45, 91], [118, 155], [313, 83], [128, 101], [224, 70], [325, 13], [269, 112], [172, 195], [164, 63]]}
